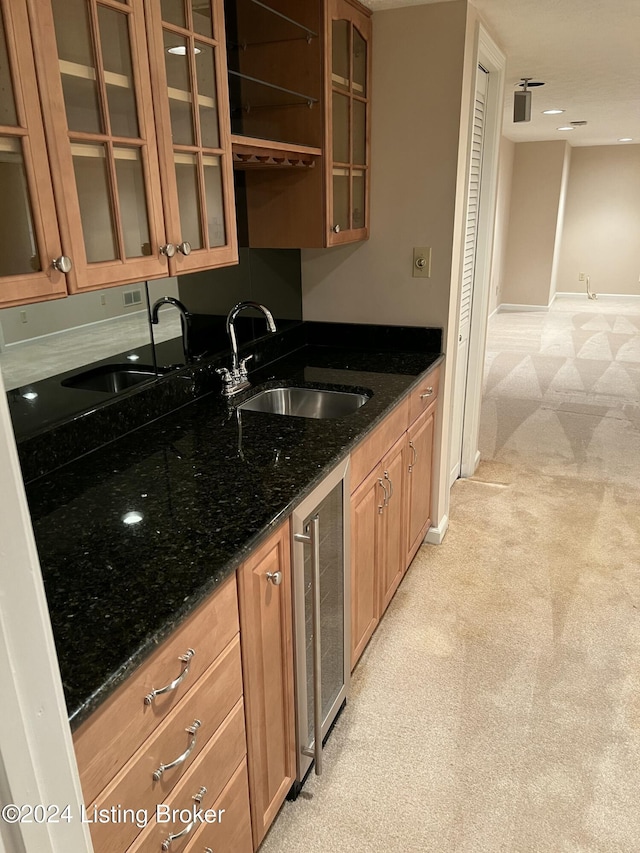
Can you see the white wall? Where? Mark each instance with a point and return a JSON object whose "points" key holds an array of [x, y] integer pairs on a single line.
{"points": [[601, 235], [539, 176], [501, 232]]}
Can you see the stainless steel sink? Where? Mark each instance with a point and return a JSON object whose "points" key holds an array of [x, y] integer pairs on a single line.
{"points": [[111, 378], [305, 402]]}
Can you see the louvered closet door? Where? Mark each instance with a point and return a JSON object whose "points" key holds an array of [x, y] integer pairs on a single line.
{"points": [[468, 273]]}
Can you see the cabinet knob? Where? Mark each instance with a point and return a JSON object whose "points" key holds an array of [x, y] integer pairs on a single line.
{"points": [[336, 229], [62, 264], [184, 248], [275, 578], [168, 250]]}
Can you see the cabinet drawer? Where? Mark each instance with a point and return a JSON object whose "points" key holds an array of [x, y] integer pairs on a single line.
{"points": [[367, 455], [209, 703], [211, 772], [424, 394], [233, 833], [108, 739]]}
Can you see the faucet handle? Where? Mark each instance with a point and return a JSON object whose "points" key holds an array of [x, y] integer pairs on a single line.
{"points": [[227, 379], [243, 366]]}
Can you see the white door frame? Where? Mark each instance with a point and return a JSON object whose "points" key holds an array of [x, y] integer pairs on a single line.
{"points": [[37, 761], [493, 60]]}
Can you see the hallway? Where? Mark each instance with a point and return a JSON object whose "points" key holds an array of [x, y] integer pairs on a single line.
{"points": [[496, 708]]}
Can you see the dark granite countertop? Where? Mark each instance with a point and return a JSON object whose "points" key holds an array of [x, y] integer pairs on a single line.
{"points": [[209, 483]]}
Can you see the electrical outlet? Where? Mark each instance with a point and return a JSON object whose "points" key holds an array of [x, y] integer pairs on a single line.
{"points": [[23, 316], [580, 276], [422, 262]]}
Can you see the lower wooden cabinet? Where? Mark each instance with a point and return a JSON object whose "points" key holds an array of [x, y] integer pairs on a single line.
{"points": [[190, 806], [391, 508], [367, 502], [419, 447], [392, 524], [264, 595], [378, 546]]}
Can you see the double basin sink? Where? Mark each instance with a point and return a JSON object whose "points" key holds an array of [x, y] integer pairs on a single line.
{"points": [[285, 400]]}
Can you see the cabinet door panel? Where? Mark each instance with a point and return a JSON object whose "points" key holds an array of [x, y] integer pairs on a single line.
{"points": [[29, 236], [348, 139], [419, 459], [367, 504], [393, 525], [93, 73], [267, 658], [192, 118]]}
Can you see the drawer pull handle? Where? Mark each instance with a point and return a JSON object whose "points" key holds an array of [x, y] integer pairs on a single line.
{"points": [[157, 774], [186, 660], [275, 578], [415, 456], [385, 501], [166, 844], [427, 393], [388, 479]]}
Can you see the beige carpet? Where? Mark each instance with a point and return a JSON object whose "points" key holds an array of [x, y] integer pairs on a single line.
{"points": [[497, 708]]}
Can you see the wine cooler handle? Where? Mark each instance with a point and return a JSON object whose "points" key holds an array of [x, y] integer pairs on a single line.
{"points": [[314, 530]]}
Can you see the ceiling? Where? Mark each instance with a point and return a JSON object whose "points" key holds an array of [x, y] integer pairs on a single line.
{"points": [[587, 52]]}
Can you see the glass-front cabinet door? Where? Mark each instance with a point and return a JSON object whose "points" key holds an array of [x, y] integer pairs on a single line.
{"points": [[348, 136], [29, 236], [96, 98], [186, 39]]}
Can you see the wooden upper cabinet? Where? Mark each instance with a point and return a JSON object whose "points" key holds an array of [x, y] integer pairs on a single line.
{"points": [[29, 236], [304, 200], [135, 113], [93, 73], [347, 137], [189, 80]]}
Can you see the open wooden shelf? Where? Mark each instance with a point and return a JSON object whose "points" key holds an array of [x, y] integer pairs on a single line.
{"points": [[250, 153]]}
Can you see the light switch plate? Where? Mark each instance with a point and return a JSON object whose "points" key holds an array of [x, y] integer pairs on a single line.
{"points": [[422, 262]]}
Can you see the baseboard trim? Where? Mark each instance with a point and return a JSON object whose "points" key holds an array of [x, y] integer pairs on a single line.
{"points": [[583, 295], [506, 307], [435, 535]]}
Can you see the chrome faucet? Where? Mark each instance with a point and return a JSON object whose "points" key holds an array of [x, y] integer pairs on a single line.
{"points": [[236, 379], [185, 320]]}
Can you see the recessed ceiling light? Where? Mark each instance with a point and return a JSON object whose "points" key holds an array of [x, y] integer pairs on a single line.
{"points": [[181, 50], [626, 139], [132, 518], [566, 127], [552, 112]]}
